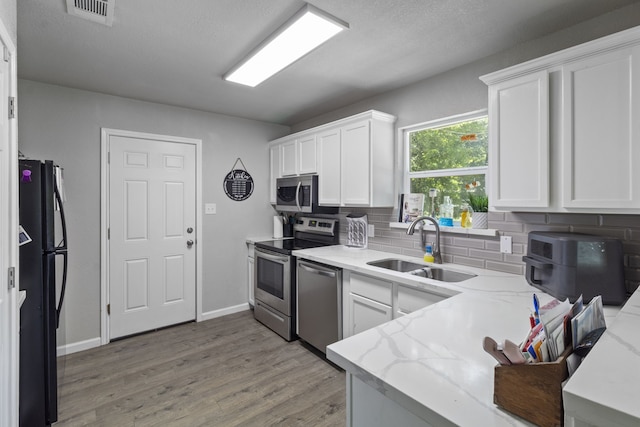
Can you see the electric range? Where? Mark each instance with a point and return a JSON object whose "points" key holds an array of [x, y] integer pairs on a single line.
{"points": [[275, 272]]}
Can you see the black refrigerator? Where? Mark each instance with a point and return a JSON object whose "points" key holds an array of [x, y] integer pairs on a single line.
{"points": [[40, 210]]}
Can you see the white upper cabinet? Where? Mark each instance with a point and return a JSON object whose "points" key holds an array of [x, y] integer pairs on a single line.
{"points": [[307, 155], [353, 158], [297, 155], [564, 133], [329, 176], [274, 171], [601, 136], [289, 158], [519, 129]]}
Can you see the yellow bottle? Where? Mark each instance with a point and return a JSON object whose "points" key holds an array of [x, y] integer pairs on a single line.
{"points": [[428, 254]]}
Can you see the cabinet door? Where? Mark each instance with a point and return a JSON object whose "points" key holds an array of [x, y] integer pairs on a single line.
{"points": [[519, 142], [288, 158], [274, 171], [601, 144], [329, 177], [250, 272], [411, 299], [307, 155], [355, 164], [367, 314]]}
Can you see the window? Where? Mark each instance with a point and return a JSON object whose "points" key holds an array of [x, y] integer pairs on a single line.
{"points": [[449, 155]]}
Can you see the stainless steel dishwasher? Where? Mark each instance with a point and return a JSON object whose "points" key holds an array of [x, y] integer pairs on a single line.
{"points": [[319, 304]]}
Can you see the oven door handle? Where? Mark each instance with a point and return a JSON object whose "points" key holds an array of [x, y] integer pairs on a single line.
{"points": [[275, 258], [298, 195]]}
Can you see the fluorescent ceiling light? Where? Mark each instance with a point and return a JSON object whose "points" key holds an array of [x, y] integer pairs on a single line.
{"points": [[305, 31]]}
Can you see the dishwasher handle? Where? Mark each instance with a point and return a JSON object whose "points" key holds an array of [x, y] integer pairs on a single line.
{"points": [[314, 270]]}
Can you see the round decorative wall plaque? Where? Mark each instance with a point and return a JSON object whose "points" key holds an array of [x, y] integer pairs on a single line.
{"points": [[238, 183]]}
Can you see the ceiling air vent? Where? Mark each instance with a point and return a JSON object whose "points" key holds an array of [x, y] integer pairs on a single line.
{"points": [[100, 11]]}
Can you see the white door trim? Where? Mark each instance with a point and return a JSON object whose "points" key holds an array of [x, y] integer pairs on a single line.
{"points": [[104, 215], [9, 380]]}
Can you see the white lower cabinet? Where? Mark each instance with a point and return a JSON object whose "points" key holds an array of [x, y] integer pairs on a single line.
{"points": [[250, 271], [369, 303], [409, 299], [372, 301], [367, 313], [368, 407]]}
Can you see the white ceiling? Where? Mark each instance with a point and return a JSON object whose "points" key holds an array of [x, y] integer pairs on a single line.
{"points": [[175, 51]]}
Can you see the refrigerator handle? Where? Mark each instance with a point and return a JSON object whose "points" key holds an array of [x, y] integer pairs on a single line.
{"points": [[63, 221], [61, 249], [64, 286]]}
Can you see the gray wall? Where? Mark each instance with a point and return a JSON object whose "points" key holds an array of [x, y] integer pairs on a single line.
{"points": [[64, 125], [460, 90], [8, 17]]}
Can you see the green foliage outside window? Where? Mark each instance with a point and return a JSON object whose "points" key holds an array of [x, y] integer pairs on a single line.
{"points": [[445, 149]]}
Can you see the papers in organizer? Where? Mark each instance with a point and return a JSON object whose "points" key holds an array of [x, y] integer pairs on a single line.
{"points": [[589, 319], [552, 317]]}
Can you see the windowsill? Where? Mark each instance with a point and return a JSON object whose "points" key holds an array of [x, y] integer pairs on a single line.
{"points": [[452, 230]]}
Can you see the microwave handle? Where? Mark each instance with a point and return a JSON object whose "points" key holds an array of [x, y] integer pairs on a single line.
{"points": [[298, 195]]}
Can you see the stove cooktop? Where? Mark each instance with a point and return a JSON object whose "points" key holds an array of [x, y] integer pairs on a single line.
{"points": [[287, 245]]}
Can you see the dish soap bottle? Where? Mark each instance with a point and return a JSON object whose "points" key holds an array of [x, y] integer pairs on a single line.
{"points": [[428, 254], [446, 212]]}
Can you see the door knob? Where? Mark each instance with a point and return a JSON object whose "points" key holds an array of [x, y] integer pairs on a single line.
{"points": [[189, 243]]}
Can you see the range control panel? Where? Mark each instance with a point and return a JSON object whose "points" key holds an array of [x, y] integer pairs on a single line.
{"points": [[316, 225]]}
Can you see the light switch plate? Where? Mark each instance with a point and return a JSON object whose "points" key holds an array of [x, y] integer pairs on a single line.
{"points": [[372, 231], [505, 244], [209, 208]]}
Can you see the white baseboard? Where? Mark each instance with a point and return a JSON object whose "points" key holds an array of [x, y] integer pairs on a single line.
{"points": [[223, 312], [78, 346], [96, 342]]}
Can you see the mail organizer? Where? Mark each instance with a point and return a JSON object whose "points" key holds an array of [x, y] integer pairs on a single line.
{"points": [[532, 391]]}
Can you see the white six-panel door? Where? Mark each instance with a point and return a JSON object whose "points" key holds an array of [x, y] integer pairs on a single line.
{"points": [[152, 243]]}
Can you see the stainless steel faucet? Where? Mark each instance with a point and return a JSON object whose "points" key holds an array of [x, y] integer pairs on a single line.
{"points": [[436, 251]]}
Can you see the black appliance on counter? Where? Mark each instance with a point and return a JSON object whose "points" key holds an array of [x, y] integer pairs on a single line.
{"points": [[567, 265], [40, 198], [275, 272]]}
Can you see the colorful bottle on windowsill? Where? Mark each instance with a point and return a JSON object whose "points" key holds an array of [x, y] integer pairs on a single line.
{"points": [[446, 212]]}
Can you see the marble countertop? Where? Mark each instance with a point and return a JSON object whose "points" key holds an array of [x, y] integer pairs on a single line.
{"points": [[431, 361], [605, 389]]}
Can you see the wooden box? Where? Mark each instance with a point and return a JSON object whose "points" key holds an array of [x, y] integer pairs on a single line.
{"points": [[532, 391]]}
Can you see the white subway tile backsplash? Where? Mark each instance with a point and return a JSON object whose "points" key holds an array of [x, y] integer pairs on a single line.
{"points": [[485, 252]]}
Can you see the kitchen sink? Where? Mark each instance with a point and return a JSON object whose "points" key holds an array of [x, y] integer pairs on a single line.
{"points": [[422, 270], [397, 265]]}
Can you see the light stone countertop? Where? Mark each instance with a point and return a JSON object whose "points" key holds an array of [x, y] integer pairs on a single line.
{"points": [[431, 361]]}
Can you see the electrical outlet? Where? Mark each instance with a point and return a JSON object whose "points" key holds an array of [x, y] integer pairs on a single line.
{"points": [[209, 208], [505, 244], [372, 231]]}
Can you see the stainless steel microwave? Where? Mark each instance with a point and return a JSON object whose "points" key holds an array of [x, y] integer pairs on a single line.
{"points": [[300, 194]]}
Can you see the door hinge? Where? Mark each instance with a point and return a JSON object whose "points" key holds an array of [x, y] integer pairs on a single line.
{"points": [[6, 54], [108, 157], [12, 107], [108, 309], [108, 234], [12, 277]]}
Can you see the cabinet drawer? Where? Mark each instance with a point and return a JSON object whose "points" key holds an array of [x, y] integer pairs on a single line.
{"points": [[411, 299], [369, 287]]}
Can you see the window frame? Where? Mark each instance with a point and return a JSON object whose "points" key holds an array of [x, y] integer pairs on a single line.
{"points": [[445, 121]]}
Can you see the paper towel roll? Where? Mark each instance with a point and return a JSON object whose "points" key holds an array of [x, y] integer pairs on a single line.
{"points": [[277, 227]]}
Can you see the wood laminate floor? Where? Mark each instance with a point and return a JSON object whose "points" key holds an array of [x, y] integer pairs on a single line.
{"points": [[229, 371]]}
